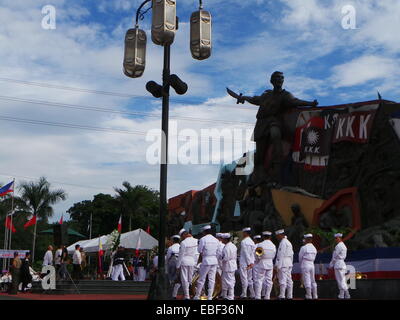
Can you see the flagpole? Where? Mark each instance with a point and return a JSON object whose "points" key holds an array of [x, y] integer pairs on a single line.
{"points": [[12, 211], [90, 234], [34, 241]]}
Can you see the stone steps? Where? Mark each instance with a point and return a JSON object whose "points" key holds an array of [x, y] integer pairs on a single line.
{"points": [[96, 287]]}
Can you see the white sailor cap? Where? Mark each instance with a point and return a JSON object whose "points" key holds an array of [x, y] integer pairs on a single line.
{"points": [[338, 235], [208, 227], [219, 235], [257, 237], [181, 231], [280, 231], [248, 229], [308, 235], [267, 233], [176, 236], [226, 235]]}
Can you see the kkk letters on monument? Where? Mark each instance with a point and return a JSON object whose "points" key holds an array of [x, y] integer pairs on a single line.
{"points": [[316, 130]]}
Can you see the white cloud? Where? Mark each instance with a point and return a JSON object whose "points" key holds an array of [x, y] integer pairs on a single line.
{"points": [[362, 70]]}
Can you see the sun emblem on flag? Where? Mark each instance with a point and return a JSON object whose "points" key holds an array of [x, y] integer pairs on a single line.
{"points": [[312, 137]]}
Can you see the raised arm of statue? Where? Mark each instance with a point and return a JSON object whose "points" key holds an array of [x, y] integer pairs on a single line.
{"points": [[302, 103], [256, 100]]}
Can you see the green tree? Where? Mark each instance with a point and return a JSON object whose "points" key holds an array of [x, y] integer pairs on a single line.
{"points": [[36, 199], [138, 204], [104, 210]]}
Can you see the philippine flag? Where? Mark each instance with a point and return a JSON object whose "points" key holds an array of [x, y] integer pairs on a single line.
{"points": [[120, 224], [7, 189]]}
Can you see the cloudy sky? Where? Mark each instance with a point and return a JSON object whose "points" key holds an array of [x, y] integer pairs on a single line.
{"points": [[68, 113]]}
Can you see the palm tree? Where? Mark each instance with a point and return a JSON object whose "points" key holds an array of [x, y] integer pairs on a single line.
{"points": [[37, 199], [135, 202]]}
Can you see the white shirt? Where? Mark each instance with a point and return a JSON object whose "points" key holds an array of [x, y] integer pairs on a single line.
{"points": [[187, 252], [221, 247], [173, 251], [208, 246], [284, 257], [266, 260], [77, 258], [338, 256], [247, 249], [307, 255], [57, 258], [48, 258], [229, 257], [155, 262]]}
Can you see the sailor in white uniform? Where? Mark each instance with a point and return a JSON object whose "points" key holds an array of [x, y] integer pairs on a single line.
{"points": [[337, 262], [221, 246], [186, 260], [208, 246], [246, 263], [284, 265], [257, 239], [229, 266], [264, 268], [307, 256], [171, 261]]}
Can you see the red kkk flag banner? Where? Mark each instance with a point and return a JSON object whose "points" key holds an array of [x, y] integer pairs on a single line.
{"points": [[354, 127], [9, 225], [120, 224], [31, 222], [315, 138]]}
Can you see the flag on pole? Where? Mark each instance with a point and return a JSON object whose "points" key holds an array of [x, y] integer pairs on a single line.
{"points": [[7, 189], [120, 224], [31, 222], [138, 245], [9, 225], [100, 258], [148, 229], [62, 219]]}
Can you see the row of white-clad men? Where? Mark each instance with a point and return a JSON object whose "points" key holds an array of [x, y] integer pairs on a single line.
{"points": [[255, 270]]}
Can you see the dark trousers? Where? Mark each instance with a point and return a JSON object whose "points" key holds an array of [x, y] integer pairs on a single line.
{"points": [[15, 281], [77, 272]]}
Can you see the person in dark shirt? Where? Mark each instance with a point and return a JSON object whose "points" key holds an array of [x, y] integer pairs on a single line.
{"points": [[26, 276], [118, 265]]}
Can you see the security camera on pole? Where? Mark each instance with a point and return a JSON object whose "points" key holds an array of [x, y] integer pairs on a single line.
{"points": [[163, 29]]}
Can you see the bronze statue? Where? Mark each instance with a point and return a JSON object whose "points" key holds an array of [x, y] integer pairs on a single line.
{"points": [[268, 130]]}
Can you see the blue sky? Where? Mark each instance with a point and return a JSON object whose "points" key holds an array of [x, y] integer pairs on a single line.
{"points": [[251, 39]]}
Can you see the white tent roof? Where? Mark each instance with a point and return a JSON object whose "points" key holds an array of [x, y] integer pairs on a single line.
{"points": [[128, 240]]}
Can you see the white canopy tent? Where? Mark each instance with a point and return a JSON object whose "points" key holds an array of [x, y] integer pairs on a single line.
{"points": [[129, 240]]}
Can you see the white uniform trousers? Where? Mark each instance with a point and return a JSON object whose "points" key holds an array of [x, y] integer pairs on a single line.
{"points": [[203, 272], [186, 279], [228, 284], [246, 278], [308, 274], [263, 277], [118, 273], [340, 275], [175, 289], [285, 282]]}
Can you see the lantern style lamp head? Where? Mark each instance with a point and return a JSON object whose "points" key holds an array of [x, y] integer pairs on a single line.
{"points": [[163, 25], [200, 34], [135, 53]]}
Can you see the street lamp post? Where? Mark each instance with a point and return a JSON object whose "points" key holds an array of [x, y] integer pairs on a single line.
{"points": [[164, 26]]}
